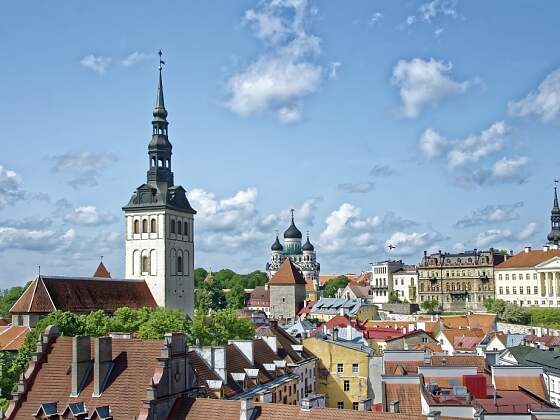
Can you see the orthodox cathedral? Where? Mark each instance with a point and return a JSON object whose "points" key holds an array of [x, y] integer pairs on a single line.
{"points": [[303, 256]]}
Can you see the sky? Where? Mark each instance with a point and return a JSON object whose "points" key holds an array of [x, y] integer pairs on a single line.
{"points": [[423, 124]]}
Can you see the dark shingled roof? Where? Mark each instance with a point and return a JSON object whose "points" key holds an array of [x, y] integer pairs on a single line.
{"points": [[287, 274], [83, 294]]}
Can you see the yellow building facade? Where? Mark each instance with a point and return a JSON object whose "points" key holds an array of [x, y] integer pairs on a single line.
{"points": [[343, 371]]}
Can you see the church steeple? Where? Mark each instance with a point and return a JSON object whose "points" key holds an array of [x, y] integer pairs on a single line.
{"points": [[159, 149], [554, 235]]}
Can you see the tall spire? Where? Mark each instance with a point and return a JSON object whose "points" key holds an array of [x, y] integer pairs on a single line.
{"points": [[554, 235], [555, 194], [159, 149]]}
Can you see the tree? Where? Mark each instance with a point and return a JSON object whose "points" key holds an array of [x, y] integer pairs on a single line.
{"points": [[515, 314], [430, 306], [209, 296], [8, 297], [162, 321], [129, 320], [236, 297], [199, 276], [496, 306], [96, 323], [216, 328], [394, 297], [332, 286]]}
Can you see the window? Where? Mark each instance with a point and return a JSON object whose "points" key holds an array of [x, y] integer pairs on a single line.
{"points": [[346, 386], [153, 228], [180, 265], [179, 228], [355, 406], [500, 277], [536, 290], [528, 290], [527, 276], [514, 290], [185, 228], [340, 368], [145, 264], [136, 226], [172, 228], [145, 226], [507, 290], [534, 276], [507, 276], [355, 368], [513, 277], [340, 405]]}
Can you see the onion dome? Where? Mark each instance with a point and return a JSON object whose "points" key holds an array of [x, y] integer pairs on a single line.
{"points": [[292, 232], [308, 246], [277, 246]]}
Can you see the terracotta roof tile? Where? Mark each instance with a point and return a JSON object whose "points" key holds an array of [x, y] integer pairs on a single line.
{"points": [[229, 410], [13, 337], [102, 271], [408, 396], [135, 364], [287, 273], [5, 321], [83, 294], [533, 384], [529, 259]]}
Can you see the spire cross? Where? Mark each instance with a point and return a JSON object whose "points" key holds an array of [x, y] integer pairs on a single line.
{"points": [[161, 62], [556, 183], [292, 211]]}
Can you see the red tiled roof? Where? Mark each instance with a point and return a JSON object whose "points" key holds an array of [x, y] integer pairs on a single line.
{"points": [[13, 337], [230, 410], [382, 333], [408, 396], [102, 271], [287, 274], [83, 294], [466, 343], [135, 364], [529, 259], [5, 321]]}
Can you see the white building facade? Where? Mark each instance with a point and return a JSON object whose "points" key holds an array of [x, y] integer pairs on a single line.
{"points": [[159, 237], [405, 284], [382, 281]]}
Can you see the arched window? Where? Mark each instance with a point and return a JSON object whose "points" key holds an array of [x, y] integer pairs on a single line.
{"points": [[136, 226], [145, 264], [153, 226], [145, 226], [179, 265], [186, 228], [179, 228], [172, 226]]}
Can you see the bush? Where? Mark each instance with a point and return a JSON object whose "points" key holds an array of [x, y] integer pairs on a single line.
{"points": [[332, 286], [430, 306]]}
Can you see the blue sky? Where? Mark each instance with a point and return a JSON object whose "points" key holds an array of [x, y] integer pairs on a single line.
{"points": [[426, 124]]}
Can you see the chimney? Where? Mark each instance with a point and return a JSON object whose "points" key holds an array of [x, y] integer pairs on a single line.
{"points": [[527, 249], [219, 362], [364, 405], [81, 363], [434, 415], [335, 334], [247, 409], [394, 407], [266, 286], [102, 364]]}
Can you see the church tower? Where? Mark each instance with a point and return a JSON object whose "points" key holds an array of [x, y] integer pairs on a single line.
{"points": [[159, 224], [554, 235]]}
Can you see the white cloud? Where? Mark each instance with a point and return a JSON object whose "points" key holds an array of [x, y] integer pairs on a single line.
{"points": [[34, 239], [89, 216], [359, 187], [334, 69], [544, 103], [279, 79], [133, 58], [491, 214], [430, 11], [10, 187], [83, 167], [408, 244], [379, 170], [505, 238], [96, 63], [424, 82], [375, 18], [510, 169], [527, 231], [471, 159]]}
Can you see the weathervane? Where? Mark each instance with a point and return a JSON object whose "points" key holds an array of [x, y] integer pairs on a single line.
{"points": [[161, 62]]}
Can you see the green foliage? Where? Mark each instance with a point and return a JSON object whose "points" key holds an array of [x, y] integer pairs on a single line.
{"points": [[236, 297], [7, 299], [199, 276], [332, 286], [394, 297], [430, 306], [209, 297], [495, 306], [162, 321], [95, 323], [544, 317], [216, 328], [515, 314]]}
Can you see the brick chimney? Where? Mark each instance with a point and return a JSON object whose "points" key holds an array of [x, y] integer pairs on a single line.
{"points": [[81, 363], [103, 363]]}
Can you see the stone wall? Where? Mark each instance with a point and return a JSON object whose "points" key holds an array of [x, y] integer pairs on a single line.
{"points": [[401, 308], [526, 329]]}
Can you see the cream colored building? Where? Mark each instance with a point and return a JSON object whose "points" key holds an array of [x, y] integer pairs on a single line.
{"points": [[405, 284], [530, 278]]}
